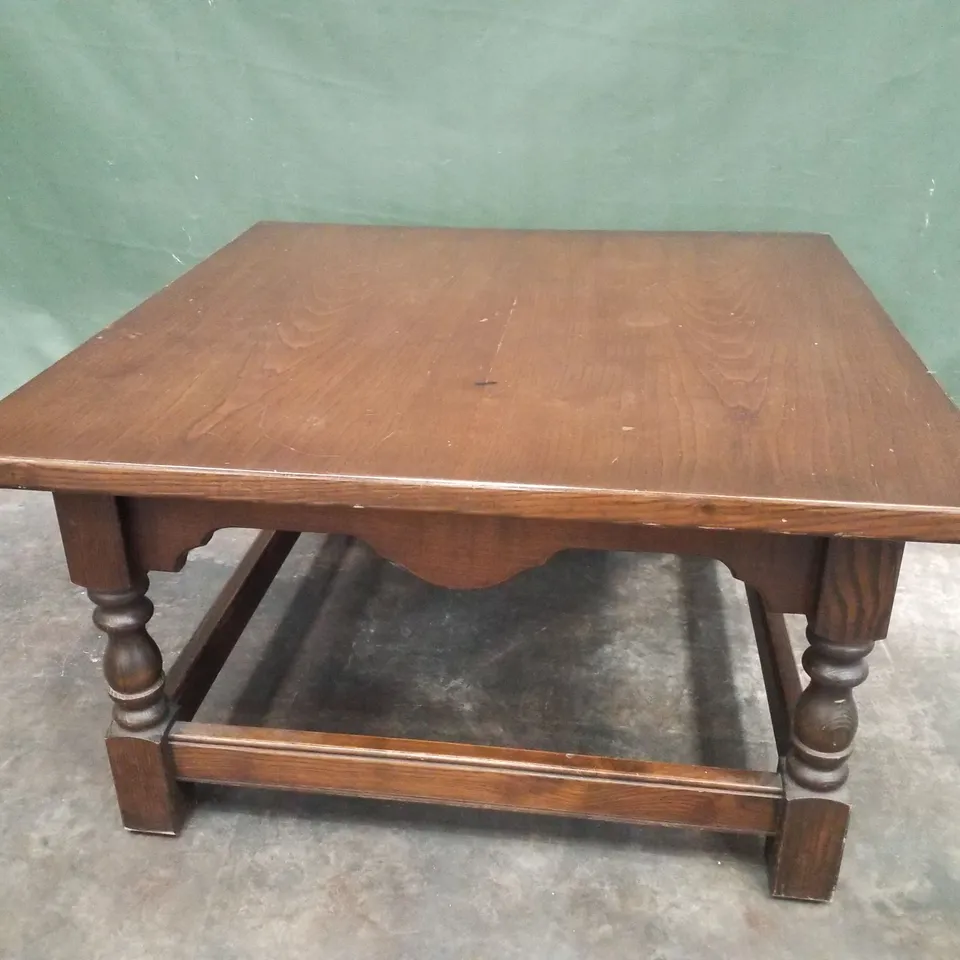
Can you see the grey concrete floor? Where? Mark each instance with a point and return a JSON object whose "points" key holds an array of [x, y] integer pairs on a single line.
{"points": [[644, 656]]}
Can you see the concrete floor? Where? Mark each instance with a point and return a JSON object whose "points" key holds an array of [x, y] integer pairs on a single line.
{"points": [[641, 656]]}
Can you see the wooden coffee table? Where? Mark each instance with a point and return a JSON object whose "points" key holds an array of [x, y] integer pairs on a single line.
{"points": [[468, 403]]}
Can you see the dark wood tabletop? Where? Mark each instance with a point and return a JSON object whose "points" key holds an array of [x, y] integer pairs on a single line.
{"points": [[747, 381]]}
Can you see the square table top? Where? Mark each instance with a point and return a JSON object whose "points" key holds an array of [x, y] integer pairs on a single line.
{"points": [[689, 379]]}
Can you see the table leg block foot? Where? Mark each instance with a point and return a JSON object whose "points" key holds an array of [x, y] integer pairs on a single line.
{"points": [[150, 799], [804, 856]]}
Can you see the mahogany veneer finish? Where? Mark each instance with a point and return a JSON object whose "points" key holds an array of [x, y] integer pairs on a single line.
{"points": [[469, 402]]}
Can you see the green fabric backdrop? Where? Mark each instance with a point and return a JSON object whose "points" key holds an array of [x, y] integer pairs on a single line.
{"points": [[138, 136]]}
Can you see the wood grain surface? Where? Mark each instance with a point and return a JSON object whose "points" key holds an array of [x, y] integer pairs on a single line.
{"points": [[805, 856], [859, 586], [713, 380], [149, 797], [534, 781]]}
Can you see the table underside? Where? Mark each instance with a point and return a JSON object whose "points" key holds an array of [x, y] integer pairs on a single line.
{"points": [[843, 586], [493, 777]]}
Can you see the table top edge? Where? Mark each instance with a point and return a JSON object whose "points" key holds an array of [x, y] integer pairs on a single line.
{"points": [[893, 521]]}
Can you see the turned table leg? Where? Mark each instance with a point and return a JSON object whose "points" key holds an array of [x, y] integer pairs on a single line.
{"points": [[148, 795], [853, 611], [132, 664], [149, 798]]}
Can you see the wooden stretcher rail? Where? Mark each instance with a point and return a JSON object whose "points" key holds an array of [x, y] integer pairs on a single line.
{"points": [[205, 653], [778, 665], [499, 778]]}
